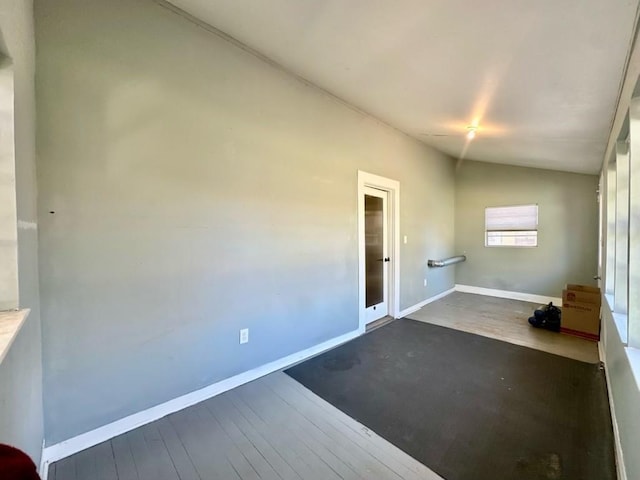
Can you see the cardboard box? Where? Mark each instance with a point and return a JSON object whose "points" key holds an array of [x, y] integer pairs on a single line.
{"points": [[581, 311], [581, 294]]}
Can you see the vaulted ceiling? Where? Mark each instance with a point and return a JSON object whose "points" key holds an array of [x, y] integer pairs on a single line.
{"points": [[540, 79]]}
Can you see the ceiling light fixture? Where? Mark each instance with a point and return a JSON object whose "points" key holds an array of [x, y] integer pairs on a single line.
{"points": [[471, 134]]}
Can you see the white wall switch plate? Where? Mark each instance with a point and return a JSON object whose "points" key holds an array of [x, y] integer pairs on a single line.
{"points": [[425, 282], [405, 239]]}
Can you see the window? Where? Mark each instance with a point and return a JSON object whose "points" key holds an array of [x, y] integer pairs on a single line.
{"points": [[515, 226], [610, 265], [621, 272]]}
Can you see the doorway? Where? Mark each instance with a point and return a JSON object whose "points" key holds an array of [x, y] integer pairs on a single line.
{"points": [[378, 234]]}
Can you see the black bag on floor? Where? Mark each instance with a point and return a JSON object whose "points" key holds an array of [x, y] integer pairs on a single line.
{"points": [[548, 317]]}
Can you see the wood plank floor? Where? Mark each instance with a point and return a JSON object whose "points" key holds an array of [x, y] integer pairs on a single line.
{"points": [[503, 319], [272, 428]]}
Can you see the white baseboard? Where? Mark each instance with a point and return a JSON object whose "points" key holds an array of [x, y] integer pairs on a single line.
{"points": [[83, 441], [620, 467], [418, 306], [492, 292]]}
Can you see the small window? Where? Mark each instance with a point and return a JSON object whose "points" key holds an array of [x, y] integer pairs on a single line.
{"points": [[515, 226]]}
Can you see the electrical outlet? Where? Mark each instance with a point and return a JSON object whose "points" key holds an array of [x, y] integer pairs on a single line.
{"points": [[244, 335], [425, 282]]}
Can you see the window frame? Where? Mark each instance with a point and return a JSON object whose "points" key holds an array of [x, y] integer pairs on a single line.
{"points": [[531, 232]]}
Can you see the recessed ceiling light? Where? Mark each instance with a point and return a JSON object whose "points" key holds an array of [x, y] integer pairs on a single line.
{"points": [[472, 131]]}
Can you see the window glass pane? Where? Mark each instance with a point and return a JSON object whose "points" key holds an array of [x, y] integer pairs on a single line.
{"points": [[374, 249], [633, 307], [620, 291], [609, 273], [512, 239]]}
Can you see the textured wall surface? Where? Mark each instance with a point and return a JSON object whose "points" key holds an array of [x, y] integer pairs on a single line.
{"points": [[198, 190]]}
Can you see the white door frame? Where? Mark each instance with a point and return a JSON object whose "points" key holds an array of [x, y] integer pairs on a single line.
{"points": [[392, 187]]}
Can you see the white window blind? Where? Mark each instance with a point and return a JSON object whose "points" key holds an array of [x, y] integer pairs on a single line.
{"points": [[513, 226]]}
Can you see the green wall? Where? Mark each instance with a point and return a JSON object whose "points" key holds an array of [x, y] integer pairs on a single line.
{"points": [[567, 231]]}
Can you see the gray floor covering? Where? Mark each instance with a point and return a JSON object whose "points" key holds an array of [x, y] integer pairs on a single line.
{"points": [[470, 407], [272, 428]]}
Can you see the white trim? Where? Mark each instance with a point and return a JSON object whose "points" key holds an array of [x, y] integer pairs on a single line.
{"points": [[83, 441], [492, 292], [620, 467], [418, 306], [393, 188]]}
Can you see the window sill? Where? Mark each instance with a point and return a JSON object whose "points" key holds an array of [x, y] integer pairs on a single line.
{"points": [[10, 324], [620, 319]]}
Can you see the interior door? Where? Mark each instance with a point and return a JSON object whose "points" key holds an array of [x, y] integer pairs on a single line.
{"points": [[376, 235]]}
